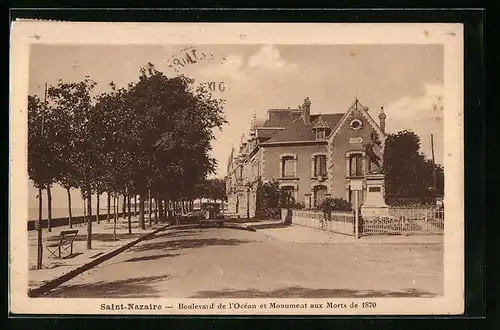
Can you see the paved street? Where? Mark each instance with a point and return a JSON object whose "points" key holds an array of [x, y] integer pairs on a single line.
{"points": [[221, 262]]}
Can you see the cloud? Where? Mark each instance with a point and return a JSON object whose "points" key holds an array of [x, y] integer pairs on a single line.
{"points": [[423, 115], [232, 67], [429, 105], [269, 58]]}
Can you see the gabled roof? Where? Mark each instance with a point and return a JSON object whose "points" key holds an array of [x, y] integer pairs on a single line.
{"points": [[356, 105], [298, 131], [320, 123], [332, 119]]}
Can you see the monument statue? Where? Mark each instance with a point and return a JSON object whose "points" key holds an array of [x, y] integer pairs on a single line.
{"points": [[372, 157]]}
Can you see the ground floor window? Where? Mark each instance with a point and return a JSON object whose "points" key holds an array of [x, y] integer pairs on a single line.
{"points": [[287, 197]]}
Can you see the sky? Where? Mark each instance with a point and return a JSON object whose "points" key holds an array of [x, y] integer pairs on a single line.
{"points": [[407, 80]]}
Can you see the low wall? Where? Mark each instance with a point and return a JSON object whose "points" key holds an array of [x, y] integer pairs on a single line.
{"points": [[58, 222], [339, 222]]}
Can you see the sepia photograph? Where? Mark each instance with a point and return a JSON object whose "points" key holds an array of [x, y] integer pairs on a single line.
{"points": [[222, 169]]}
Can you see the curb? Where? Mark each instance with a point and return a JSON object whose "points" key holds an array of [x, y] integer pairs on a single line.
{"points": [[247, 228], [270, 225], [35, 293], [224, 225]]}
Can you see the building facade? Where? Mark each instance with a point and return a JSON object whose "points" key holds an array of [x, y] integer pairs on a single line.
{"points": [[313, 156]]}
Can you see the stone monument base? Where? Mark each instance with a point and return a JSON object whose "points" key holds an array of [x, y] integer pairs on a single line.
{"points": [[374, 211], [374, 205]]}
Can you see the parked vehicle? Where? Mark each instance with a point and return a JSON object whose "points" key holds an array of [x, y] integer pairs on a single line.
{"points": [[212, 214]]}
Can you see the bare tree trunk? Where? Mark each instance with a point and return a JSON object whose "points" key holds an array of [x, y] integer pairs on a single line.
{"points": [[135, 205], [97, 207], [156, 209], [124, 212], [129, 216], [89, 221], [49, 208], [115, 211], [109, 206], [70, 218], [39, 229], [150, 211], [162, 210], [142, 221], [84, 210]]}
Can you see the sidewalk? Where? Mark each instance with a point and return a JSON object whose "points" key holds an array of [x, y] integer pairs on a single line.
{"points": [[102, 243], [301, 234]]}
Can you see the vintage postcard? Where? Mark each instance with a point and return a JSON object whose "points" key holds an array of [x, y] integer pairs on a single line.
{"points": [[230, 168]]}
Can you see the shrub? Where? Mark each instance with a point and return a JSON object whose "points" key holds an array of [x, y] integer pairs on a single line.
{"points": [[297, 206], [335, 204], [330, 205]]}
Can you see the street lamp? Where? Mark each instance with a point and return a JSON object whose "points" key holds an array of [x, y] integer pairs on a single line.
{"points": [[357, 186]]}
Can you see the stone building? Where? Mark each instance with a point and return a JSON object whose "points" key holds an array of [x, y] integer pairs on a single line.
{"points": [[313, 156]]}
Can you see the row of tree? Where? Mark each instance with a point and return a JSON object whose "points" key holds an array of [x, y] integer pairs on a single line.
{"points": [[150, 139]]}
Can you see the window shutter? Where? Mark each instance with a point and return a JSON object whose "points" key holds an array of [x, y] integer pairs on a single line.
{"points": [[347, 166], [318, 165], [312, 167], [295, 164], [323, 165]]}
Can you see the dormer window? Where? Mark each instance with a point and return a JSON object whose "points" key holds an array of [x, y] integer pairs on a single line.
{"points": [[320, 128], [320, 134]]}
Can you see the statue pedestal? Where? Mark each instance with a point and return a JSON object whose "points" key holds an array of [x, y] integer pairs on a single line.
{"points": [[374, 204]]}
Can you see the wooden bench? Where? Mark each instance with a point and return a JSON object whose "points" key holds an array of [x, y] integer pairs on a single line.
{"points": [[67, 237]]}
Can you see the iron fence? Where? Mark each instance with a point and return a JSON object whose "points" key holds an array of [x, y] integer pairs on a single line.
{"points": [[337, 222], [405, 221]]}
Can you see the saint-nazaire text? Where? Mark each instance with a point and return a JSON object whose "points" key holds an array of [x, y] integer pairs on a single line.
{"points": [[129, 307]]}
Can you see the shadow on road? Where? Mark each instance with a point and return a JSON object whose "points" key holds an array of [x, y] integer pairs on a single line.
{"points": [[153, 257], [300, 292], [176, 233], [187, 244], [129, 288]]}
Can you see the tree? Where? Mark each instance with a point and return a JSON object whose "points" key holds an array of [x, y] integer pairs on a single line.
{"points": [[213, 189], [76, 139], [36, 148], [43, 148], [268, 200], [407, 173]]}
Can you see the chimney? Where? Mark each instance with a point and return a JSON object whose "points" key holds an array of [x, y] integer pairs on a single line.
{"points": [[306, 110], [382, 117]]}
